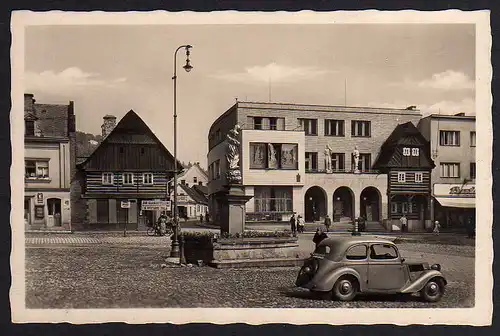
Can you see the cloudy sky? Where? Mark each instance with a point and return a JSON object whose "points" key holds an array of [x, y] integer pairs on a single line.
{"points": [[112, 69]]}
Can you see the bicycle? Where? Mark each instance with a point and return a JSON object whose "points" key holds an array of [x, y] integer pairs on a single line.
{"points": [[156, 231]]}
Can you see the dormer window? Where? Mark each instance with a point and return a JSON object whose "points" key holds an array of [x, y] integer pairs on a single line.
{"points": [[29, 128], [406, 151], [415, 152]]}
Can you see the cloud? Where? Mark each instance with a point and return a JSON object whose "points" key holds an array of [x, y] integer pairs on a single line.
{"points": [[67, 80], [274, 72], [448, 80]]}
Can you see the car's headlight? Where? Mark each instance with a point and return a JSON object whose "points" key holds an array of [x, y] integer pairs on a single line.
{"points": [[436, 267]]}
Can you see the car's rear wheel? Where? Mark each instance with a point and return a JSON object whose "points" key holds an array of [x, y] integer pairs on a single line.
{"points": [[433, 290], [345, 289]]}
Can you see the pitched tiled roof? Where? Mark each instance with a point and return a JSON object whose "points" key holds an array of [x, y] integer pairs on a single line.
{"points": [[195, 196], [399, 136], [52, 119]]}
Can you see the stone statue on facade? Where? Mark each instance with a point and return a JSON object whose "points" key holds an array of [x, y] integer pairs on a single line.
{"points": [[233, 155], [355, 155], [328, 158]]}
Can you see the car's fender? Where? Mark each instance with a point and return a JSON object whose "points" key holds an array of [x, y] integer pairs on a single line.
{"points": [[327, 281], [419, 283]]}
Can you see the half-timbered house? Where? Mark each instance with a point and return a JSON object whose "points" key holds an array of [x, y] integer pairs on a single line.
{"points": [[129, 167], [405, 158]]}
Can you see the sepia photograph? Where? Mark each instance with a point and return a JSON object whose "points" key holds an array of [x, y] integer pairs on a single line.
{"points": [[315, 167]]}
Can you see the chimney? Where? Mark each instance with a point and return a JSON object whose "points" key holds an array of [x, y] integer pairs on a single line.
{"points": [[71, 117], [109, 122], [29, 104]]}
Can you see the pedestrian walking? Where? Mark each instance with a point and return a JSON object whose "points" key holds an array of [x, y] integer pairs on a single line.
{"points": [[437, 226], [207, 218], [162, 224], [319, 236], [300, 224], [404, 223], [328, 223], [201, 218], [293, 226]]}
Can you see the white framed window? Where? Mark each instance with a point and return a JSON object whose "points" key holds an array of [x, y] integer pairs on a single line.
{"points": [[147, 178], [401, 177], [415, 152], [128, 178], [406, 151], [108, 178], [449, 138], [450, 169], [37, 169], [419, 177]]}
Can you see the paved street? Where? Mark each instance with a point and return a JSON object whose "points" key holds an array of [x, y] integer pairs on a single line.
{"points": [[104, 272]]}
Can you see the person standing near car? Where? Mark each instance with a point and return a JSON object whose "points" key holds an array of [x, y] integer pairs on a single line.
{"points": [[319, 236]]}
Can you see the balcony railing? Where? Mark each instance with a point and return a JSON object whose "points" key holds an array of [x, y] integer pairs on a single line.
{"points": [[342, 171]]}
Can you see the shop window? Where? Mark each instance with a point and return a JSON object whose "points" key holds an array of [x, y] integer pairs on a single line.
{"points": [[121, 213]]}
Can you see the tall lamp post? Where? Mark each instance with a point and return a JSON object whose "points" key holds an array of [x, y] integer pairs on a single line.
{"points": [[174, 252]]}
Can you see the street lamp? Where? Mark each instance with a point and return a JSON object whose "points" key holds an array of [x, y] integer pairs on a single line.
{"points": [[174, 252]]}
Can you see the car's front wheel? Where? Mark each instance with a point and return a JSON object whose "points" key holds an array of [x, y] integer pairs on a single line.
{"points": [[345, 289], [433, 290]]}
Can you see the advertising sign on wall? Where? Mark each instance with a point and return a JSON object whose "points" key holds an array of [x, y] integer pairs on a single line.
{"points": [[455, 190], [155, 205]]}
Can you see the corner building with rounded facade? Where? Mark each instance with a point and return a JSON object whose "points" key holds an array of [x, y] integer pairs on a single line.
{"points": [[299, 158]]}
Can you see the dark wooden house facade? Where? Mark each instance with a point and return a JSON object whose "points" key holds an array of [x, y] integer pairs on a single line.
{"points": [[405, 158], [130, 166]]}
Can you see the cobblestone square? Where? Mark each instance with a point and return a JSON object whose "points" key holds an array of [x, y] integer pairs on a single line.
{"points": [[116, 275]]}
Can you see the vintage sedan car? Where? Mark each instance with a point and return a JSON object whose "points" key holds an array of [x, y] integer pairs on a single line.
{"points": [[346, 266]]}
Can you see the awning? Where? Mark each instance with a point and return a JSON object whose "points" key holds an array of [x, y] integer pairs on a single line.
{"points": [[457, 202]]}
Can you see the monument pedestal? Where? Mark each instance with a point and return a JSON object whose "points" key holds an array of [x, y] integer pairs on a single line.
{"points": [[232, 212]]}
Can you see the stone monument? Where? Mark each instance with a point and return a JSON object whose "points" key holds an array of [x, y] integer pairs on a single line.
{"points": [[233, 198]]}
